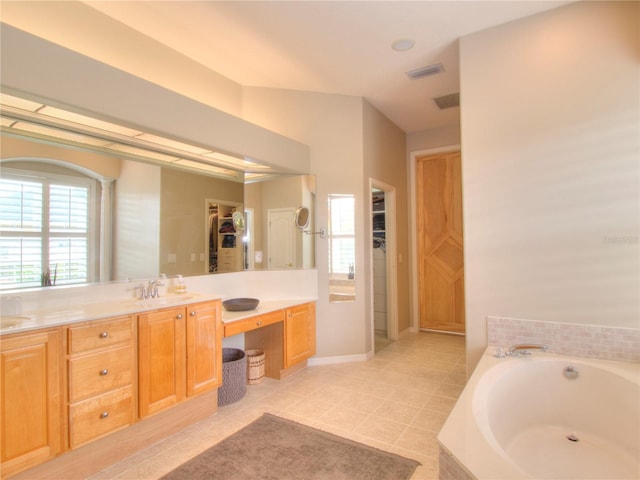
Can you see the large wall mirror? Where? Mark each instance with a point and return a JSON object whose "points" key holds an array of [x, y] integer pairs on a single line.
{"points": [[160, 218]]}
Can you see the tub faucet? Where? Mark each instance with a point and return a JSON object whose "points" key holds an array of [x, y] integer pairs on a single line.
{"points": [[524, 349]]}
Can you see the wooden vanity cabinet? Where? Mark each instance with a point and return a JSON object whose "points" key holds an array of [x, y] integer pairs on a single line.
{"points": [[179, 354], [204, 347], [299, 333], [31, 399], [161, 357], [287, 337], [101, 378]]}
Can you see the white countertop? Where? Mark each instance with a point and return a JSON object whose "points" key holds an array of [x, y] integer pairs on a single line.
{"points": [[264, 307], [27, 321]]}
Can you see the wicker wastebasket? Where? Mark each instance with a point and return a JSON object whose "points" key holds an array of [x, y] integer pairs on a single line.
{"points": [[234, 368], [255, 366]]}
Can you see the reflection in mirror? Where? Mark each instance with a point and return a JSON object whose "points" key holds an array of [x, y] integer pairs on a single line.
{"points": [[144, 219], [238, 221], [274, 241], [342, 248], [225, 245], [302, 218]]}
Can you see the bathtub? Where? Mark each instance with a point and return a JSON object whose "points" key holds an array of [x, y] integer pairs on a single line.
{"points": [[546, 416]]}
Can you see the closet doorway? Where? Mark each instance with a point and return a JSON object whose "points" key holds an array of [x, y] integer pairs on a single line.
{"points": [[384, 267], [225, 245], [440, 242]]}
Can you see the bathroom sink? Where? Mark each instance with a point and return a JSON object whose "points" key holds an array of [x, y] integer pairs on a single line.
{"points": [[12, 321]]}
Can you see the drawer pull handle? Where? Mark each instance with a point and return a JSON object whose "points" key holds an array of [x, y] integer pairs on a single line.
{"points": [[179, 316], [104, 414], [104, 372], [259, 322], [193, 314], [104, 334]]}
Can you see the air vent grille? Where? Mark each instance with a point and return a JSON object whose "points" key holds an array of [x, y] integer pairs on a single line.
{"points": [[425, 71], [448, 101]]}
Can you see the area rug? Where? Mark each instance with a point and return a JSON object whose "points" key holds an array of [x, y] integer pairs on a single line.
{"points": [[274, 448]]}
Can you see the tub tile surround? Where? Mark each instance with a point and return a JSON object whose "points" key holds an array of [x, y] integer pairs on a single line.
{"points": [[590, 341]]}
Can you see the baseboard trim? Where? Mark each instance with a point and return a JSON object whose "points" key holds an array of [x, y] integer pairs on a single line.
{"points": [[361, 357]]}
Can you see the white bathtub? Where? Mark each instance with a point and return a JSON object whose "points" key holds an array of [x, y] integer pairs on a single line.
{"points": [[521, 417]]}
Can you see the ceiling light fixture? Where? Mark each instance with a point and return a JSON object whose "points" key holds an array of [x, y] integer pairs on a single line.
{"points": [[403, 45]]}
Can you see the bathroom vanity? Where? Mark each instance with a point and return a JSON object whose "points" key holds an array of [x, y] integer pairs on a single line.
{"points": [[81, 394]]}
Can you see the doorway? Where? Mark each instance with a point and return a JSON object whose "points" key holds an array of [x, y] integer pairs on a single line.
{"points": [[384, 311]]}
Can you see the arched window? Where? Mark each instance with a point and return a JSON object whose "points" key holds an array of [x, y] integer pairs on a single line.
{"points": [[46, 229]]}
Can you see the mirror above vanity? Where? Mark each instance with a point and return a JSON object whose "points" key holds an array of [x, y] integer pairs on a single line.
{"points": [[161, 215], [142, 137]]}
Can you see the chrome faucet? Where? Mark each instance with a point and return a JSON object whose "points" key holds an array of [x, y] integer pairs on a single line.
{"points": [[152, 289], [525, 349]]}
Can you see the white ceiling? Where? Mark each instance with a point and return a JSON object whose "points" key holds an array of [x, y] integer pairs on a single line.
{"points": [[338, 47]]}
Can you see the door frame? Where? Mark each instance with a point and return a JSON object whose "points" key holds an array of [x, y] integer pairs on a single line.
{"points": [[414, 310], [391, 259]]}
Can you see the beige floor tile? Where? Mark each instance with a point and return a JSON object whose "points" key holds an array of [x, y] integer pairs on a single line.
{"points": [[362, 402], [418, 440], [342, 417], [429, 420], [309, 408], [380, 429], [440, 403], [396, 401], [395, 411]]}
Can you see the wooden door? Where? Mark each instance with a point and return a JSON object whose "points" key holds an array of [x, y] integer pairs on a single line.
{"points": [[204, 344], [440, 253], [32, 418], [161, 355]]}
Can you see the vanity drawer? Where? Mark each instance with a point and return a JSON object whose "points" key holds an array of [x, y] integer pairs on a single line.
{"points": [[93, 374], [251, 323], [97, 416], [96, 335]]}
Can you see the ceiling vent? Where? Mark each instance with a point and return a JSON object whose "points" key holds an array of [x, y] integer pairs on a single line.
{"points": [[448, 101], [425, 71]]}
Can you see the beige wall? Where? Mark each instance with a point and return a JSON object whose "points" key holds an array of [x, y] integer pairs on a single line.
{"points": [[385, 161], [95, 165], [184, 217], [253, 199], [136, 221], [332, 127], [70, 24], [550, 148], [433, 138]]}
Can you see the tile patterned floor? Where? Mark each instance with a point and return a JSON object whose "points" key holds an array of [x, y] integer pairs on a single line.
{"points": [[397, 401]]}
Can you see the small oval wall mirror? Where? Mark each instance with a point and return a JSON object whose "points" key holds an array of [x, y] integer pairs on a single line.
{"points": [[238, 221], [302, 217]]}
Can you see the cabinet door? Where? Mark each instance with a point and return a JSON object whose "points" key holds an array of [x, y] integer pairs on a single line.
{"points": [[300, 333], [31, 400], [161, 354], [204, 347]]}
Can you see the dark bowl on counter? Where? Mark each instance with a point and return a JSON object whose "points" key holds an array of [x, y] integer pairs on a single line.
{"points": [[240, 304]]}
